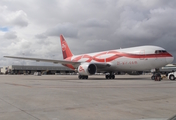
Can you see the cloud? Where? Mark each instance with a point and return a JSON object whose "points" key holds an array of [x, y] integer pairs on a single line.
{"points": [[67, 29], [138, 28], [10, 35], [13, 18], [19, 18], [19, 46], [41, 36], [33, 27], [94, 23]]}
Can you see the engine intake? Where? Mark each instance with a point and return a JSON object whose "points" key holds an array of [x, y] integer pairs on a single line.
{"points": [[87, 69]]}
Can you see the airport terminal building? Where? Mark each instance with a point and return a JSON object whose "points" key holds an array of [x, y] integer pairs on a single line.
{"points": [[51, 70], [27, 69]]}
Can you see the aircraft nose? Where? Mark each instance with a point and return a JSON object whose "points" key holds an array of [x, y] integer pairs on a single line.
{"points": [[169, 60]]}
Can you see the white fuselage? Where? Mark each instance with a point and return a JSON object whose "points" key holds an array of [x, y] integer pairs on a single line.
{"points": [[128, 59]]}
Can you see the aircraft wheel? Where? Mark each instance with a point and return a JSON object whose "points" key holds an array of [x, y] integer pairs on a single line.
{"points": [[171, 77], [83, 76], [153, 77], [110, 76], [113, 76], [158, 77], [107, 76], [80, 76]]}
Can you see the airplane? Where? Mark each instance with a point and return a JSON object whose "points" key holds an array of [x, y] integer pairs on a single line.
{"points": [[130, 60]]}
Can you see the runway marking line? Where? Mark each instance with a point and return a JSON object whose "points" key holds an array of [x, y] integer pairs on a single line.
{"points": [[18, 84]]}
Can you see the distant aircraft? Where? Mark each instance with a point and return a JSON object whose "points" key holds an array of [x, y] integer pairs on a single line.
{"points": [[130, 60]]}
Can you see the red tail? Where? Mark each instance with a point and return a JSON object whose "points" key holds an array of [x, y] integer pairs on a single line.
{"points": [[65, 49]]}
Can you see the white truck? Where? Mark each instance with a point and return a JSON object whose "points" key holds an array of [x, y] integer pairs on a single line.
{"points": [[172, 76]]}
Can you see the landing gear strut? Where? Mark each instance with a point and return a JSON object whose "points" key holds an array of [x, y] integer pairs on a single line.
{"points": [[83, 76], [156, 75], [110, 75]]}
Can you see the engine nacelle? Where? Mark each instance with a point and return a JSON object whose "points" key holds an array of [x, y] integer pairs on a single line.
{"points": [[135, 72], [87, 69]]}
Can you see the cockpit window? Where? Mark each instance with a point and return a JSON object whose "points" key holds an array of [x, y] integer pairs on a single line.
{"points": [[160, 51]]}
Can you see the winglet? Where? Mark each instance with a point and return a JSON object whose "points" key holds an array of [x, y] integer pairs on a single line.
{"points": [[65, 49]]}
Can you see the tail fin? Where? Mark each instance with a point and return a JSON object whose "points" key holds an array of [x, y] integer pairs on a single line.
{"points": [[65, 49]]}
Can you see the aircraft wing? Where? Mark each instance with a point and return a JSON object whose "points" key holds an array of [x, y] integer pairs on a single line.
{"points": [[46, 60], [74, 63]]}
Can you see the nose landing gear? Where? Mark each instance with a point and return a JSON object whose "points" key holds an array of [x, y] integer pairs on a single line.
{"points": [[156, 75]]}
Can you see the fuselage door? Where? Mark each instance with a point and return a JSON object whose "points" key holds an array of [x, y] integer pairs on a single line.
{"points": [[142, 55], [156, 54]]}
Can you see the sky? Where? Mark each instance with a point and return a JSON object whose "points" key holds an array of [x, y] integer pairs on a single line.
{"points": [[31, 28]]}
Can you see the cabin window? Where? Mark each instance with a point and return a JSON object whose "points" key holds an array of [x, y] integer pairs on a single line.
{"points": [[160, 51]]}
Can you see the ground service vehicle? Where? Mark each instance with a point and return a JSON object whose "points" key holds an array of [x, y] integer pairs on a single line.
{"points": [[172, 76]]}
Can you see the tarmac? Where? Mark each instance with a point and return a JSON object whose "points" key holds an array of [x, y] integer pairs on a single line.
{"points": [[65, 97]]}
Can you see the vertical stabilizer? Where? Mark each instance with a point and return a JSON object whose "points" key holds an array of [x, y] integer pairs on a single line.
{"points": [[65, 49]]}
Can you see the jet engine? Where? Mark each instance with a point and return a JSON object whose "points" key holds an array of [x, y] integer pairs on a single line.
{"points": [[87, 69], [135, 72]]}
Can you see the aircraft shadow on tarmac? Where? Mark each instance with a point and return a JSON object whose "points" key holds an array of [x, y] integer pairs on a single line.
{"points": [[95, 78], [92, 78], [118, 79]]}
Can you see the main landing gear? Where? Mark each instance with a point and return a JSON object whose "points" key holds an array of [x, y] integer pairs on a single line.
{"points": [[156, 75], [83, 76], [110, 75]]}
